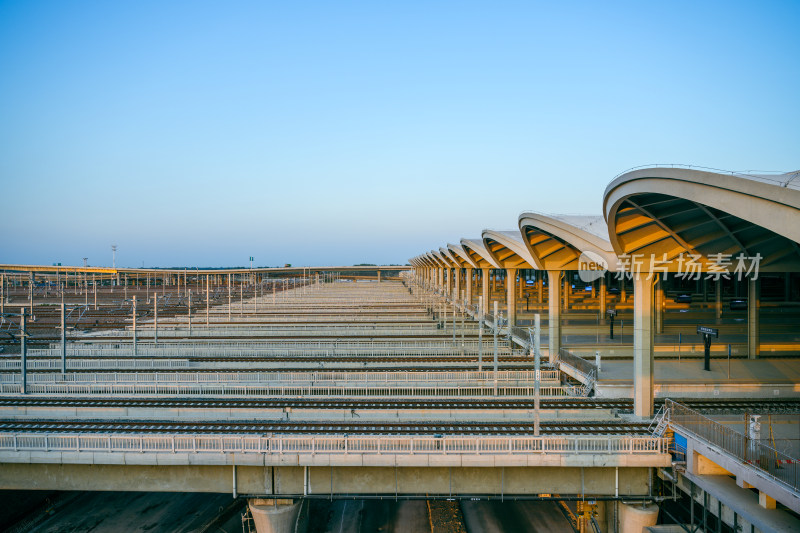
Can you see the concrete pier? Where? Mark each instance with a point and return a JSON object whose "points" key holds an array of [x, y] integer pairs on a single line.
{"points": [[276, 515]]}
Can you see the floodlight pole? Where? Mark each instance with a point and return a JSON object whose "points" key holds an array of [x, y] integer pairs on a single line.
{"points": [[537, 361], [155, 319], [480, 333], [23, 350], [496, 330], [134, 324], [63, 336]]}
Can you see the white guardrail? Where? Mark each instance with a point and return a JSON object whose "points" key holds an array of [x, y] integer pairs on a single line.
{"points": [[214, 330], [313, 376], [317, 391], [473, 445], [110, 365], [147, 347]]}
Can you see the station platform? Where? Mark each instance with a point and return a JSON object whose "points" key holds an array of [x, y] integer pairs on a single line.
{"points": [[738, 378]]}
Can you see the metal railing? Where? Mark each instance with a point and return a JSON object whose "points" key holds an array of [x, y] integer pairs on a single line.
{"points": [[340, 445], [217, 328], [578, 363], [399, 390], [311, 376], [585, 372], [399, 349], [166, 364], [766, 459]]}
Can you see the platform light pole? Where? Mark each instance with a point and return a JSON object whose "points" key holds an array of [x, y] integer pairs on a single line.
{"points": [[454, 323], [63, 336], [537, 363], [133, 310], [496, 330], [155, 319], [480, 333], [463, 313], [23, 350]]}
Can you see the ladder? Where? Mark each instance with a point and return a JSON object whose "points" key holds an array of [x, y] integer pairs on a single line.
{"points": [[660, 422]]}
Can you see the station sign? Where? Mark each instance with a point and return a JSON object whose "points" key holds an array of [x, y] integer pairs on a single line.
{"points": [[705, 330]]}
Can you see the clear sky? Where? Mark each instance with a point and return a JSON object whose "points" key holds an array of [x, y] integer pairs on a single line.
{"points": [[201, 133]]}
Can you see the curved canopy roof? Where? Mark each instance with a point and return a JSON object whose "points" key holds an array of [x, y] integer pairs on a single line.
{"points": [[478, 253], [556, 242], [461, 255], [420, 261], [448, 256], [507, 249], [436, 261], [679, 210], [437, 256]]}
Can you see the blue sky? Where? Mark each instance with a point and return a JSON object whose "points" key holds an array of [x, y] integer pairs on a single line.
{"points": [[201, 133]]}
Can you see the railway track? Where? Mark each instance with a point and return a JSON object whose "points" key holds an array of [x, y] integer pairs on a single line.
{"points": [[305, 359], [622, 405], [299, 403], [317, 428], [437, 368]]}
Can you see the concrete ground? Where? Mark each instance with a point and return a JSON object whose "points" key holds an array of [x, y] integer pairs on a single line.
{"points": [[743, 371], [111, 512], [749, 378], [508, 517]]}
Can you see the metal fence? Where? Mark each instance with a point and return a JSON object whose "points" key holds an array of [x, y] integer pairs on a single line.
{"points": [[766, 459], [406, 445], [199, 329], [311, 376], [165, 364], [399, 390], [277, 349]]}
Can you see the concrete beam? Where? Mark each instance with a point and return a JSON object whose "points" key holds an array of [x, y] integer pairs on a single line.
{"points": [[293, 481]]}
